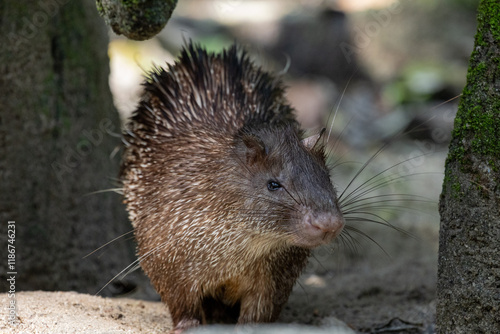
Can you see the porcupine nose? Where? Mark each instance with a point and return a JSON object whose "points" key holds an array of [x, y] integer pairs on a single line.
{"points": [[322, 227], [327, 222]]}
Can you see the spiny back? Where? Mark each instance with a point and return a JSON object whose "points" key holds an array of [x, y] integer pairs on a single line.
{"points": [[225, 198], [201, 90]]}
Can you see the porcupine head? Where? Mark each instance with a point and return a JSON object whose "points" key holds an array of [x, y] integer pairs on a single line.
{"points": [[226, 197]]}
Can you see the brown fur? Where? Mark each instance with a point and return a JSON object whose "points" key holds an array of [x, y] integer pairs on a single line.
{"points": [[216, 241]]}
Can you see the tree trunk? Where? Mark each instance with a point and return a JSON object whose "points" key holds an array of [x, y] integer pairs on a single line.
{"points": [[469, 241], [56, 117]]}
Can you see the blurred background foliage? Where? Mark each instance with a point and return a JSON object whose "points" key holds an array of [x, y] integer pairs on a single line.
{"points": [[397, 56]]}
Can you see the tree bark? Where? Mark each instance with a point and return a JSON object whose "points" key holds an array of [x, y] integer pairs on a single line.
{"points": [[469, 241], [56, 117]]}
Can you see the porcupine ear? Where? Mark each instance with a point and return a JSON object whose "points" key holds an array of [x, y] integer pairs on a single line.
{"points": [[311, 141], [254, 150]]}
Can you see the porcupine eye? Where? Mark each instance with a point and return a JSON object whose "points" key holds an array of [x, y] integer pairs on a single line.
{"points": [[273, 185]]}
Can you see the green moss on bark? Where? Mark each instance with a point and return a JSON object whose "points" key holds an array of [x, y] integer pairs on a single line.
{"points": [[136, 19], [478, 116], [468, 276]]}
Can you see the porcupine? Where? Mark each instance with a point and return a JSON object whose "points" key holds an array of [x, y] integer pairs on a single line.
{"points": [[226, 197]]}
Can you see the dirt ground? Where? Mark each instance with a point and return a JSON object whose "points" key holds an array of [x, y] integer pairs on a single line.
{"points": [[373, 293]]}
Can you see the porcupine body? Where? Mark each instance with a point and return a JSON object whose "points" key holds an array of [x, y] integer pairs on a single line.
{"points": [[225, 197]]}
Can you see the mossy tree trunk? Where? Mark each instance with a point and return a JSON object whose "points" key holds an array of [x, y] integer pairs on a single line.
{"points": [[56, 117], [469, 241]]}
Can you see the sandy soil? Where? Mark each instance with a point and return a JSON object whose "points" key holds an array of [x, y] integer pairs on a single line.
{"points": [[71, 312]]}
